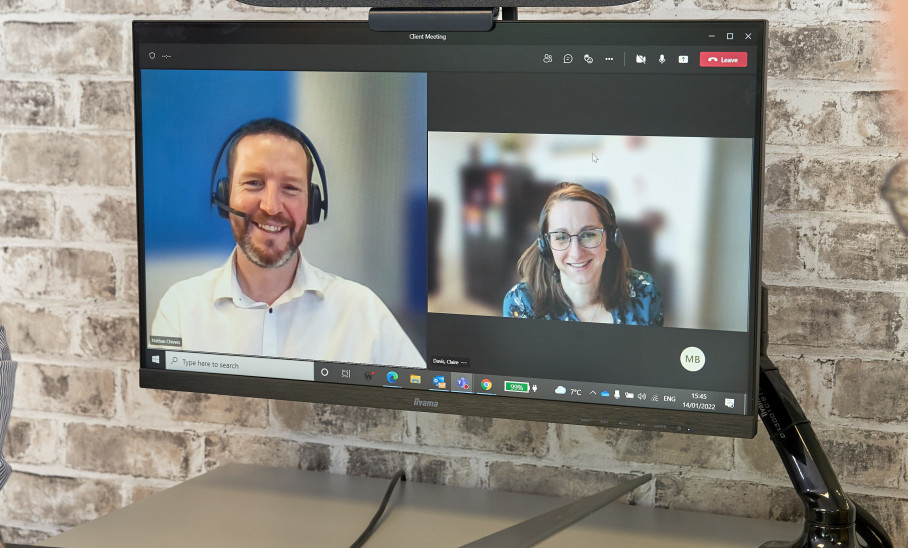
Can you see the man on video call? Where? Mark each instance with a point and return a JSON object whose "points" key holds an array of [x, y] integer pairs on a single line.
{"points": [[267, 300]]}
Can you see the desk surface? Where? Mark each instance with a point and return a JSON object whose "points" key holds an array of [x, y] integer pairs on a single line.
{"points": [[242, 506]]}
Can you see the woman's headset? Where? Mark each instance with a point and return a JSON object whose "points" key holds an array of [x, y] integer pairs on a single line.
{"points": [[613, 238], [220, 187]]}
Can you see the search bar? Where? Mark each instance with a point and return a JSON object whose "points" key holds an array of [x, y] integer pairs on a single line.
{"points": [[277, 368]]}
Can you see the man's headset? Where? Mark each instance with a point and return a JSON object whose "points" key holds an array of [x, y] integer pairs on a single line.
{"points": [[613, 237], [220, 187]]}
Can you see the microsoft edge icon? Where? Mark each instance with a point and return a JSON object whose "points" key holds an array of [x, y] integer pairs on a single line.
{"points": [[392, 377]]}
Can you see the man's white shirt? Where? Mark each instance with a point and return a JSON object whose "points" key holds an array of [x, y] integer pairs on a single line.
{"points": [[320, 317]]}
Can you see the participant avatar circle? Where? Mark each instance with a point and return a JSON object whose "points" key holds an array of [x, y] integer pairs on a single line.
{"points": [[693, 359]]}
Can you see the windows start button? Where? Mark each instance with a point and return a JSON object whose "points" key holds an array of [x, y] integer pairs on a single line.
{"points": [[723, 59]]}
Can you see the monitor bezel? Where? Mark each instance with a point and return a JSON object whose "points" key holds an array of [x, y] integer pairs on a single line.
{"points": [[550, 411]]}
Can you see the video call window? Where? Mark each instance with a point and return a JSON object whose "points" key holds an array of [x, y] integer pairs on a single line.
{"points": [[466, 190], [677, 202], [369, 132]]}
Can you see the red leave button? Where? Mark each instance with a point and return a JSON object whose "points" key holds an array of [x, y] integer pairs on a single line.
{"points": [[723, 58]]}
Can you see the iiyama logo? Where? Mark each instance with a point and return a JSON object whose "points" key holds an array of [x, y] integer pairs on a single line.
{"points": [[424, 403]]}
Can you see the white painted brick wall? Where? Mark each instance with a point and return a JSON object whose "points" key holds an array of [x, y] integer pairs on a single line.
{"points": [[86, 440]]}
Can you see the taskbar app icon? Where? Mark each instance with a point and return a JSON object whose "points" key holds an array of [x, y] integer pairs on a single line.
{"points": [[462, 382], [440, 382]]}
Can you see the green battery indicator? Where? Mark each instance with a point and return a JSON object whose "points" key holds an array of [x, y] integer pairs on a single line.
{"points": [[514, 386]]}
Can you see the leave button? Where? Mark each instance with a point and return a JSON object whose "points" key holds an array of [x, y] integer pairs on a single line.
{"points": [[723, 59]]}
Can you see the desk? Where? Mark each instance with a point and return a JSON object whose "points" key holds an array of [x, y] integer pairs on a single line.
{"points": [[242, 506]]}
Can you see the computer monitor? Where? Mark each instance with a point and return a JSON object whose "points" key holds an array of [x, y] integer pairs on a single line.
{"points": [[552, 221]]}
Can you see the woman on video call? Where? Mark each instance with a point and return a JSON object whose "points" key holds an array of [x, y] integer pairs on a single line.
{"points": [[578, 268]]}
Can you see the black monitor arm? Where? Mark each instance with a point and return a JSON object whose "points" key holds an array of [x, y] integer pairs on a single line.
{"points": [[831, 518]]}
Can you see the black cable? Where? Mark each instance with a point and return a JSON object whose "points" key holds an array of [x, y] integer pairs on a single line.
{"points": [[869, 530], [373, 525]]}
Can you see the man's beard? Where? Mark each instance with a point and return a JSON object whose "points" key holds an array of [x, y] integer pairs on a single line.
{"points": [[269, 256]]}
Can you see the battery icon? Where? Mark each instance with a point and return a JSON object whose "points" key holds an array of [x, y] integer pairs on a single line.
{"points": [[514, 386]]}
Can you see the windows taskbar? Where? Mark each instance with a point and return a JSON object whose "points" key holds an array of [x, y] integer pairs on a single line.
{"points": [[533, 388], [408, 378]]}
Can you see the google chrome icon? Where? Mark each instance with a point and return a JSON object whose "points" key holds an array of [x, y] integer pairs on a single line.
{"points": [[486, 384], [392, 377]]}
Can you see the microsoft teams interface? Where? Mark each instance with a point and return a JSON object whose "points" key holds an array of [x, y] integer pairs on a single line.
{"points": [[448, 254]]}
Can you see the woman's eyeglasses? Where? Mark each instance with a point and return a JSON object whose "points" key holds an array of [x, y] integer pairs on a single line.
{"points": [[560, 240]]}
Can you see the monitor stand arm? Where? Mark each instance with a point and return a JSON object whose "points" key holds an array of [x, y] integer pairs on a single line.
{"points": [[831, 518]]}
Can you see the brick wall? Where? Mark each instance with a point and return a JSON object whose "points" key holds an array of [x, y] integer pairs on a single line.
{"points": [[85, 440]]}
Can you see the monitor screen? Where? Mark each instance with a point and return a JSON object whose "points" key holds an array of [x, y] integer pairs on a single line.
{"points": [[555, 221]]}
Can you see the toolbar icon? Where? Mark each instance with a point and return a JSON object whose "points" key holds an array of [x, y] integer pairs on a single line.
{"points": [[517, 386]]}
